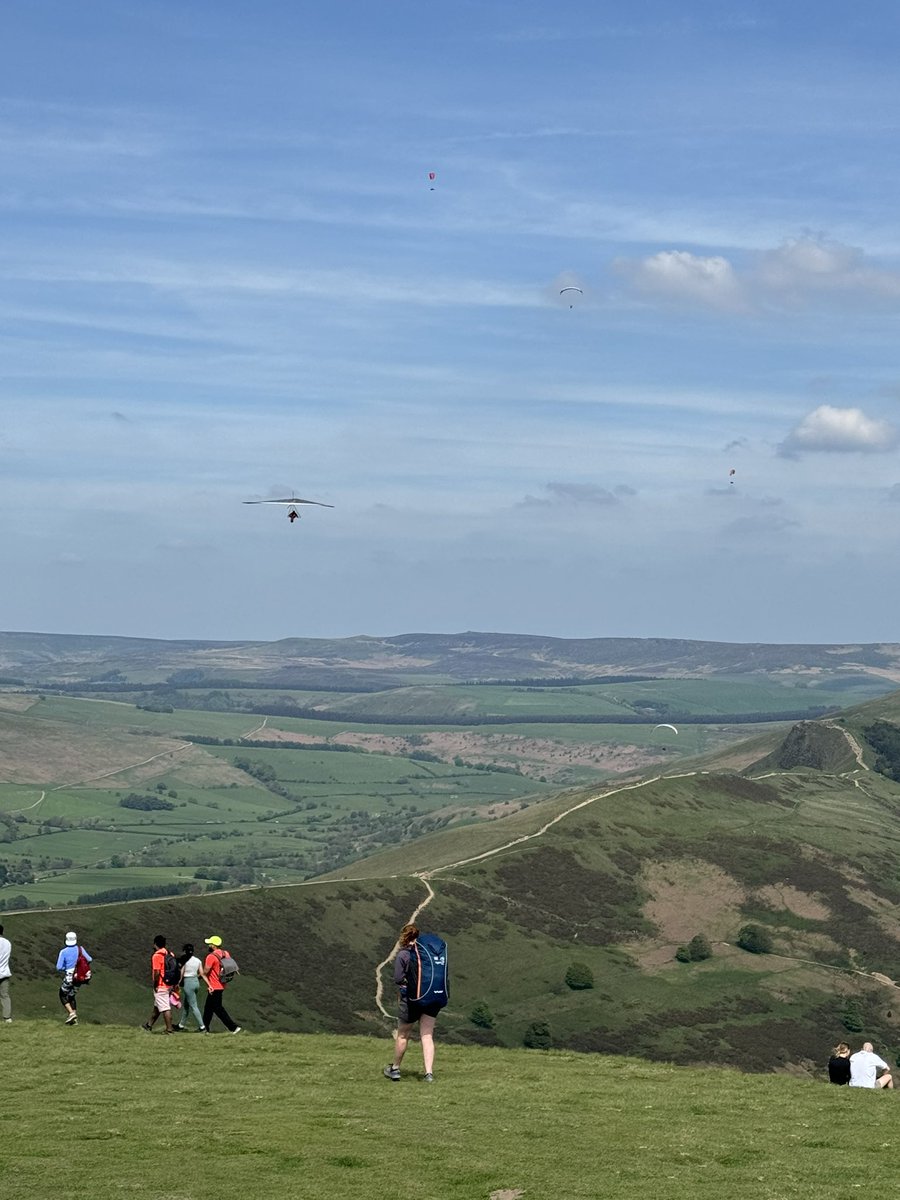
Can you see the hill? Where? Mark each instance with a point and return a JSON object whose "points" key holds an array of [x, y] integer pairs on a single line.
{"points": [[105, 1113], [423, 657], [613, 879]]}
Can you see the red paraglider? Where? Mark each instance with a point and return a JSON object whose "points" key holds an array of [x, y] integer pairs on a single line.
{"points": [[431, 179]]}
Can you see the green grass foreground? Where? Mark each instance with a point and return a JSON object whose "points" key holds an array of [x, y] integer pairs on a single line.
{"points": [[105, 1112]]}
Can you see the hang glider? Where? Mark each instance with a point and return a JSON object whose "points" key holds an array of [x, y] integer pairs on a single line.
{"points": [[291, 502]]}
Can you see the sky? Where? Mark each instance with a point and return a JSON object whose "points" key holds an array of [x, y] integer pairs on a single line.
{"points": [[225, 275]]}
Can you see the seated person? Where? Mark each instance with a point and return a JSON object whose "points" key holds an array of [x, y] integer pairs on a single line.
{"points": [[839, 1064], [864, 1067]]}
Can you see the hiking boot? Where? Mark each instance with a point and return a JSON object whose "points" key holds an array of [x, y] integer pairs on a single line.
{"points": [[392, 1073], [72, 1018], [429, 1078], [149, 1028]]}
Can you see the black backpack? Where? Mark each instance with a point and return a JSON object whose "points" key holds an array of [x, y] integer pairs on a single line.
{"points": [[171, 971]]}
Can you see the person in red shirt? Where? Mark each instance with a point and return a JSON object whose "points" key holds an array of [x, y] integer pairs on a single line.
{"points": [[211, 977], [161, 1000]]}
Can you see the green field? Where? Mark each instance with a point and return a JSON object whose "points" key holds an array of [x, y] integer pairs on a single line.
{"points": [[107, 1112]]}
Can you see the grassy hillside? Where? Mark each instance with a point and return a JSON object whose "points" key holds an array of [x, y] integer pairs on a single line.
{"points": [[612, 878], [104, 1113]]}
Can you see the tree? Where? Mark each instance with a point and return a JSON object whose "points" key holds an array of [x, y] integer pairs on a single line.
{"points": [[683, 954], [699, 948], [756, 939], [852, 1017], [579, 976], [482, 1016], [537, 1036]]}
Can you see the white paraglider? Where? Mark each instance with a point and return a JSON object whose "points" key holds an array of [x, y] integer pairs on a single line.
{"points": [[665, 725]]}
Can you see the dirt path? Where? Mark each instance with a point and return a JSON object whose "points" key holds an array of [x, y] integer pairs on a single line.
{"points": [[851, 741], [426, 876]]}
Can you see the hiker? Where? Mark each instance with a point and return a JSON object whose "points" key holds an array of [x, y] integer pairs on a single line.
{"points": [[420, 972], [72, 963], [162, 978], [864, 1067], [212, 977], [190, 986], [839, 1064], [5, 976]]}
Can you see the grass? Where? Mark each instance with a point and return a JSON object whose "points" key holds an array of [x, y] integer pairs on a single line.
{"points": [[106, 1113]]}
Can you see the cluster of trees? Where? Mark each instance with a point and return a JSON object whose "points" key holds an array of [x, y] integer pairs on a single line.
{"points": [[697, 950], [756, 939], [884, 738], [145, 803], [148, 892], [16, 872]]}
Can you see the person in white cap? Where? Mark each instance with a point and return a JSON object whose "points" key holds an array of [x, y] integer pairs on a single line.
{"points": [[67, 964]]}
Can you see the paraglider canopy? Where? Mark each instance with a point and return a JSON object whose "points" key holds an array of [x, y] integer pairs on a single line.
{"points": [[665, 726], [573, 294]]}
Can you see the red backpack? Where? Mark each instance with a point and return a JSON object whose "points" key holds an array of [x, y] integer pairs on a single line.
{"points": [[82, 972]]}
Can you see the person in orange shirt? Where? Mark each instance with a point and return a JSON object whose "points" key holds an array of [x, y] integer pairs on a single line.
{"points": [[212, 979], [161, 1001]]}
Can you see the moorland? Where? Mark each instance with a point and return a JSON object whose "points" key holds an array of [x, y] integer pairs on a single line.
{"points": [[308, 850]]}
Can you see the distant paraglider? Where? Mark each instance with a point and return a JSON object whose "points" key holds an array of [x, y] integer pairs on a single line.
{"points": [[572, 297], [291, 502], [665, 726], [731, 475], [431, 179]]}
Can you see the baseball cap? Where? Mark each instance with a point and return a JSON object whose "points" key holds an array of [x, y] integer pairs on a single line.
{"points": [[213, 940], [71, 939]]}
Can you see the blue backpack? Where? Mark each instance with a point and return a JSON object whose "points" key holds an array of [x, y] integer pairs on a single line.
{"points": [[427, 978]]}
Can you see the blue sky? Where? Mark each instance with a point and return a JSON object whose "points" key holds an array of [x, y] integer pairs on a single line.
{"points": [[224, 273]]}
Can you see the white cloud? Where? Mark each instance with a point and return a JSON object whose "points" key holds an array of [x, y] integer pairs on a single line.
{"points": [[802, 272], [674, 275], [840, 430]]}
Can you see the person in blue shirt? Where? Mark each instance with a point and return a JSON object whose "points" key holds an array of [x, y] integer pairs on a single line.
{"points": [[68, 988]]}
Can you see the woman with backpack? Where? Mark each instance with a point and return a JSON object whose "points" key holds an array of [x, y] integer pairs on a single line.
{"points": [[420, 972], [73, 963]]}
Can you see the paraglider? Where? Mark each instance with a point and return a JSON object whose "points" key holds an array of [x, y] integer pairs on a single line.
{"points": [[731, 475], [291, 502], [665, 726], [431, 179], [571, 298]]}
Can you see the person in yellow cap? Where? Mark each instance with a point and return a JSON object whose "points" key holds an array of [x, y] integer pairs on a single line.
{"points": [[212, 979]]}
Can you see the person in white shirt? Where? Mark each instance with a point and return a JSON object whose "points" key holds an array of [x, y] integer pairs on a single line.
{"points": [[864, 1067], [190, 984], [5, 951]]}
